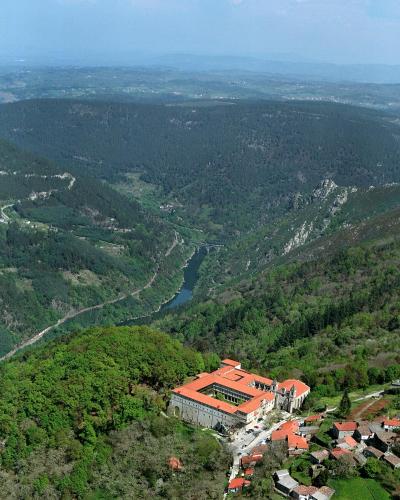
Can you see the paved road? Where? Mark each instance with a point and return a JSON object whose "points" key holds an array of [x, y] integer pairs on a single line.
{"points": [[244, 442]]}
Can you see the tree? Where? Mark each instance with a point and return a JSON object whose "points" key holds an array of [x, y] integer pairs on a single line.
{"points": [[345, 404]]}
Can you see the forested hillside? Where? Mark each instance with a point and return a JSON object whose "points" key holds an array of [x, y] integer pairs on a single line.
{"points": [[333, 320], [223, 166], [329, 218], [69, 242], [83, 418]]}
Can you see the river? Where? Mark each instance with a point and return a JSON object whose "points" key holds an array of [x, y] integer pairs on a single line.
{"points": [[191, 275]]}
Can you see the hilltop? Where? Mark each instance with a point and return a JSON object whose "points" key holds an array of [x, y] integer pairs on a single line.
{"points": [[84, 416]]}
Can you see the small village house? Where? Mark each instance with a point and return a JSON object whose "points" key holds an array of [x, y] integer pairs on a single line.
{"points": [[238, 484], [391, 460], [385, 440], [296, 445], [302, 492], [391, 424], [324, 493], [347, 443], [284, 482], [342, 429], [364, 432], [371, 451], [317, 457]]}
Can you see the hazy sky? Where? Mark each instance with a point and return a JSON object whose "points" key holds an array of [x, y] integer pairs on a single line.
{"points": [[329, 30]]}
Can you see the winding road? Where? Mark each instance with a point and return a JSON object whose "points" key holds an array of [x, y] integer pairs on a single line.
{"points": [[73, 314]]}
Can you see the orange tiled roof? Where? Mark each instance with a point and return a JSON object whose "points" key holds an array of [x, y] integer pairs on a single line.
{"points": [[230, 362], [312, 418], [279, 435], [345, 426], [297, 442], [394, 422], [207, 400], [350, 441], [290, 426], [237, 380], [300, 386], [339, 452], [238, 482], [253, 404], [305, 490]]}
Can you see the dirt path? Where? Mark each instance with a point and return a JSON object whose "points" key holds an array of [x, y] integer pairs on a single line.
{"points": [[175, 242], [368, 408]]}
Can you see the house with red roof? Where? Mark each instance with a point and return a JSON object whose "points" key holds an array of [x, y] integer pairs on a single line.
{"points": [[296, 444], [347, 443], [312, 419], [391, 424], [342, 429], [238, 484], [279, 435], [338, 453], [250, 461], [249, 472], [231, 396]]}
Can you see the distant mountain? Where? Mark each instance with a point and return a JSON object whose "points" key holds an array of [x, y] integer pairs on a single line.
{"points": [[223, 167], [285, 66]]}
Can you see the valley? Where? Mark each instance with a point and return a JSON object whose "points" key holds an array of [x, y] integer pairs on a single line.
{"points": [[265, 231]]}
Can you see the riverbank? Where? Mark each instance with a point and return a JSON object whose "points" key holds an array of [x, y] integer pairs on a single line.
{"points": [[185, 290]]}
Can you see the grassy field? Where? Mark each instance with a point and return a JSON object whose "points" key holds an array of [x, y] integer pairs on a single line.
{"points": [[358, 489], [335, 400]]}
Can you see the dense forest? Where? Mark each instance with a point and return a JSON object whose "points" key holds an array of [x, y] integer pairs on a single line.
{"points": [[85, 414], [333, 320], [223, 166]]}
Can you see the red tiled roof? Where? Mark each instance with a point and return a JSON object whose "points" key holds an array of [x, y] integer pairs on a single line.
{"points": [[250, 460], [230, 362], [312, 418], [300, 386], [238, 482], [339, 452], [290, 425], [237, 380], [253, 404], [297, 442], [394, 422], [260, 449], [345, 426], [279, 435], [350, 441], [249, 472], [207, 400]]}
